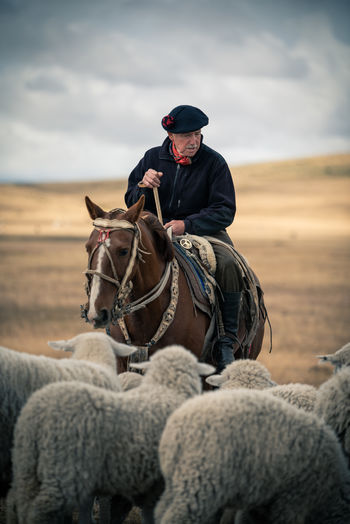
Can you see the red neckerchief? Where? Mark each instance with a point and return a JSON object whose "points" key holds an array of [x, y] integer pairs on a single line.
{"points": [[180, 159]]}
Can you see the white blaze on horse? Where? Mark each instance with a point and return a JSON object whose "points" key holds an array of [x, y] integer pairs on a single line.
{"points": [[96, 284]]}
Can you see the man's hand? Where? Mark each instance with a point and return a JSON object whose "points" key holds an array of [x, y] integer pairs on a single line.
{"points": [[151, 178], [177, 225]]}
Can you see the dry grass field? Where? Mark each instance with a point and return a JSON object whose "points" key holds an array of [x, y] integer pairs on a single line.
{"points": [[292, 223]]}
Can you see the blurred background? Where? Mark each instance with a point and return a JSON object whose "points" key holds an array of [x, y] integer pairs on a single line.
{"points": [[84, 86]]}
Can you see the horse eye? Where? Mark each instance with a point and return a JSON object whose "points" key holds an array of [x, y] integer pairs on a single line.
{"points": [[123, 252]]}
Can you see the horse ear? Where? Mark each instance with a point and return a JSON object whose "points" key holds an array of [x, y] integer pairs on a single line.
{"points": [[94, 210], [134, 212]]}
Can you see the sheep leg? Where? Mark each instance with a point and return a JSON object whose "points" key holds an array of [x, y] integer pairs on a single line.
{"points": [[104, 510], [285, 516], [86, 512], [269, 514], [120, 508], [187, 501], [148, 502], [243, 517], [147, 516], [11, 509], [47, 508], [228, 516], [180, 511]]}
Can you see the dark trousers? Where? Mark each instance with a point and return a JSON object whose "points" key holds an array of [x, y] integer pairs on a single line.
{"points": [[228, 274]]}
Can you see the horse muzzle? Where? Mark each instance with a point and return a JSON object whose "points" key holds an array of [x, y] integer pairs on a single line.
{"points": [[101, 320]]}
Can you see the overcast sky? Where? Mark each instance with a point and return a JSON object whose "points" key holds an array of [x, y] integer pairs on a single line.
{"points": [[84, 83]]}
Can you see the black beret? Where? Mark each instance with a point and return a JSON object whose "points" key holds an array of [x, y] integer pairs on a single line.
{"points": [[184, 119]]}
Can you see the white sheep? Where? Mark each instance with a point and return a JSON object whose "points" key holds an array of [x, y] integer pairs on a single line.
{"points": [[244, 373], [254, 375], [129, 380], [249, 451], [302, 396], [338, 359], [93, 361], [74, 440], [333, 404]]}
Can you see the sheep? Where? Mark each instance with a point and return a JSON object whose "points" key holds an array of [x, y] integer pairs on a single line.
{"points": [[129, 380], [242, 374], [338, 359], [250, 452], [254, 375], [302, 396], [333, 405], [112, 448], [93, 361]]}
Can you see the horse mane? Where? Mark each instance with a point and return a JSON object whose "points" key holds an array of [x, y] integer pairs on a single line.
{"points": [[163, 242]]}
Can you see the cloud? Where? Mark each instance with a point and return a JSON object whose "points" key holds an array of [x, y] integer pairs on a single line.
{"points": [[84, 85]]}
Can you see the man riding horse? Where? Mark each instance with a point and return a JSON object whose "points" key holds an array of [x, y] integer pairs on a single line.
{"points": [[197, 196]]}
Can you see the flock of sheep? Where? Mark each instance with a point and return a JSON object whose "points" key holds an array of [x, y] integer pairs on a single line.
{"points": [[73, 432]]}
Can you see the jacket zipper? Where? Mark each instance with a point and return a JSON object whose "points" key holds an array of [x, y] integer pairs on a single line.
{"points": [[174, 186]]}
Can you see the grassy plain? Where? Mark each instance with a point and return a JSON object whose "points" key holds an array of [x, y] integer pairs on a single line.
{"points": [[292, 223]]}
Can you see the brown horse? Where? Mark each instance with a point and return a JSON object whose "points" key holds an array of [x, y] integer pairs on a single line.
{"points": [[138, 292]]}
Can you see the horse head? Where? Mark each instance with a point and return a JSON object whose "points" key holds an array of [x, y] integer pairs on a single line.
{"points": [[127, 253]]}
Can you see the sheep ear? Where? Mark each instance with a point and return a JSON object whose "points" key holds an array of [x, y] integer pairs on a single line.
{"points": [[325, 358], [61, 345], [122, 350], [205, 369], [140, 365], [215, 380]]}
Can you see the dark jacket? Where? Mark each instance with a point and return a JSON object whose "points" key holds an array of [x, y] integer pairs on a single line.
{"points": [[201, 193]]}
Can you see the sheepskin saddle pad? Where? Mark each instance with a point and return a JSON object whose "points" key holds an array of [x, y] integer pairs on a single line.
{"points": [[196, 257]]}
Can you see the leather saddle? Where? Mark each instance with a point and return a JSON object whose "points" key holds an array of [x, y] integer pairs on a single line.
{"points": [[196, 257]]}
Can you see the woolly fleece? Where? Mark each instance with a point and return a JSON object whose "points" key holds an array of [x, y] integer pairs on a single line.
{"points": [[93, 361], [252, 452], [333, 404], [74, 440], [300, 395], [247, 373]]}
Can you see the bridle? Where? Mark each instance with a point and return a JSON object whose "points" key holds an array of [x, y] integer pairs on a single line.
{"points": [[124, 286], [105, 227]]}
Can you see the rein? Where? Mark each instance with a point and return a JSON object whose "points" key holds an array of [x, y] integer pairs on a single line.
{"points": [[124, 287]]}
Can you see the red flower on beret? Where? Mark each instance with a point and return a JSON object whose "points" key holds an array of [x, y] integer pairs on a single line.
{"points": [[168, 121]]}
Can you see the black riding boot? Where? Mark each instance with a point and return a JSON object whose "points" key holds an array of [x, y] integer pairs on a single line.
{"points": [[230, 316]]}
